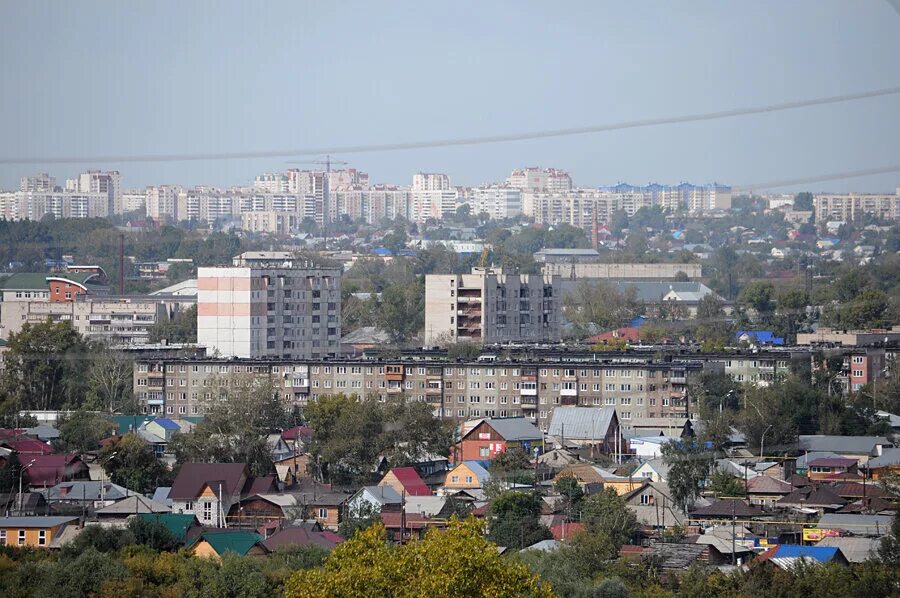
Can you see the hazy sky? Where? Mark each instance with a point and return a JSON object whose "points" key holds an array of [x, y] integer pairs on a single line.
{"points": [[123, 78]]}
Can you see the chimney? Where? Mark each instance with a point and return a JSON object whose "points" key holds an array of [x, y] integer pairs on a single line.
{"points": [[595, 235]]}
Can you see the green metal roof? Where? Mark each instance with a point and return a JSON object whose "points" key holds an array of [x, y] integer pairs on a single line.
{"points": [[237, 541], [37, 281], [177, 523], [130, 423]]}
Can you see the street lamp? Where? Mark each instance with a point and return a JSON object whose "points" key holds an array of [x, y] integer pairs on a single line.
{"points": [[21, 471], [762, 442], [102, 481]]}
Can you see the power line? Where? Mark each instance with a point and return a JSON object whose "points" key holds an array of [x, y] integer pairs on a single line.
{"points": [[389, 147], [818, 179]]}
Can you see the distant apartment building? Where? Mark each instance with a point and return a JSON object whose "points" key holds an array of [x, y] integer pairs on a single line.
{"points": [[498, 202], [374, 204], [852, 206], [268, 305], [37, 183], [488, 306], [161, 203], [95, 181], [558, 264], [347, 178], [430, 181], [535, 178], [34, 205], [133, 201], [637, 387], [272, 183], [270, 222]]}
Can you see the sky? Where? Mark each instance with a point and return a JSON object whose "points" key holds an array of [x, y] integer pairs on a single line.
{"points": [[135, 78]]}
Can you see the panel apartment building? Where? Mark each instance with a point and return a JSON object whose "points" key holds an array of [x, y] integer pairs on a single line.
{"points": [[643, 387], [267, 304], [488, 306]]}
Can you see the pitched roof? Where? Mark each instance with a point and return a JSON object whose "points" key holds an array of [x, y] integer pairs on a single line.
{"points": [[178, 524], [239, 542], [429, 506], [166, 423], [392, 519], [28, 446], [302, 536], [297, 433], [131, 423], [512, 428], [192, 477], [765, 484], [841, 444], [858, 525], [384, 495], [87, 490], [676, 556], [260, 485], [48, 470], [832, 462], [133, 505], [411, 480], [728, 507], [811, 496], [858, 490], [479, 468], [581, 423], [889, 456], [857, 550], [45, 522]]}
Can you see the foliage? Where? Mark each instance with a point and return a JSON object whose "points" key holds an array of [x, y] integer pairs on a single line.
{"points": [[239, 417], [364, 516], [689, 464], [401, 311], [600, 305], [351, 433], [82, 431], [573, 495], [152, 533], [605, 513], [9, 474], [889, 548], [464, 350], [723, 483], [514, 520], [180, 329], [109, 381], [131, 462], [44, 368], [457, 561]]}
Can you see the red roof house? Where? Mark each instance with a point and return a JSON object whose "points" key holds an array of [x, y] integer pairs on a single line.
{"points": [[25, 446], [405, 479], [50, 470]]}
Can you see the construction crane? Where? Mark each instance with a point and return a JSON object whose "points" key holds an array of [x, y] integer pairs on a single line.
{"points": [[327, 162]]}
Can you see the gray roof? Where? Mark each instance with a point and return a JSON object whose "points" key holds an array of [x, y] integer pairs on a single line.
{"points": [[581, 423], [564, 251], [857, 550], [514, 428], [858, 525], [87, 490], [365, 335], [653, 291], [545, 546], [385, 495], [842, 444], [7, 522], [889, 456], [43, 431], [134, 504], [805, 458]]}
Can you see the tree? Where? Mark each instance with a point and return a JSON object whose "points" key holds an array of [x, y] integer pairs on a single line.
{"points": [[9, 474], [723, 483], [710, 308], [781, 411], [412, 433], [153, 534], [689, 464], [239, 417], [131, 462], [82, 431], [606, 513], [361, 518], [573, 495], [514, 520], [889, 548], [110, 380], [44, 368], [600, 305], [457, 561], [758, 296], [803, 201], [401, 311], [182, 328]]}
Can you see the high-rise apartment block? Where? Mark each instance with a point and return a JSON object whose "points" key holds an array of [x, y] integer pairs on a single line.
{"points": [[95, 181], [488, 306], [535, 178], [430, 181], [38, 183], [267, 304], [851, 206], [498, 202]]}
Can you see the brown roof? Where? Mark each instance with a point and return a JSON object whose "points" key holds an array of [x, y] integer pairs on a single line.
{"points": [[302, 537], [871, 504], [810, 496], [194, 476], [262, 485], [765, 484], [726, 508], [857, 490], [391, 520]]}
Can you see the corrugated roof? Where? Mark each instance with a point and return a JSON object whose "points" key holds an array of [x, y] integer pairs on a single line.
{"points": [[857, 550], [411, 481], [513, 428], [178, 524], [727, 507], [8, 522], [581, 423], [889, 456], [858, 525], [842, 444], [237, 541], [134, 505], [302, 537]]}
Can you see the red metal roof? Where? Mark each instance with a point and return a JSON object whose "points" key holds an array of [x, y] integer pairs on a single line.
{"points": [[391, 520], [49, 470], [566, 531], [28, 446], [411, 480]]}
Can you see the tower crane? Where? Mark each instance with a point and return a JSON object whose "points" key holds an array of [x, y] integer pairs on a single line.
{"points": [[325, 191]]}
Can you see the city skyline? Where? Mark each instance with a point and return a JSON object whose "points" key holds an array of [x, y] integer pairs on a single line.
{"points": [[272, 87]]}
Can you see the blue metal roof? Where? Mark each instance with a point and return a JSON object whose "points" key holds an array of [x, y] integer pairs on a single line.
{"points": [[823, 554], [166, 423], [765, 337]]}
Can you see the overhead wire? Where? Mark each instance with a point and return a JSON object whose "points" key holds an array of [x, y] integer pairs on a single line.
{"points": [[462, 141]]}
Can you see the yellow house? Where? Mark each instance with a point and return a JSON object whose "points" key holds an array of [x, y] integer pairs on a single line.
{"points": [[38, 532], [588, 475], [467, 475]]}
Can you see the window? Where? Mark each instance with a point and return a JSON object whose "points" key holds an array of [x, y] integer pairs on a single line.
{"points": [[42, 537], [207, 511], [454, 479], [468, 479], [484, 452], [2, 537], [21, 537], [323, 513], [857, 373]]}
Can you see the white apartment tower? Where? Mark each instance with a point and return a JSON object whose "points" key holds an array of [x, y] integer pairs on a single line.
{"points": [[269, 305], [162, 203], [535, 178], [488, 306], [38, 183], [498, 202], [430, 181]]}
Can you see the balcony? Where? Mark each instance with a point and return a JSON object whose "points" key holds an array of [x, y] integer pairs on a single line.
{"points": [[156, 382], [568, 392], [678, 380], [568, 401], [528, 392]]}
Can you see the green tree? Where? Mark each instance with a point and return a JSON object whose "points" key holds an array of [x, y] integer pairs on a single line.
{"points": [[803, 201], [573, 496], [605, 513], [600, 305], [182, 328], [514, 520], [689, 464], [131, 462], [723, 483], [361, 518], [153, 534], [9, 474], [760, 297], [82, 431], [44, 368], [401, 311]]}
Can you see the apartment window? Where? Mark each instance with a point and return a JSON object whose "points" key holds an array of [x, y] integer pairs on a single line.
{"points": [[665, 402], [857, 373], [610, 401]]}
